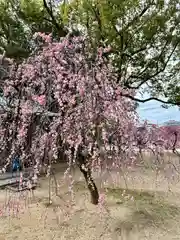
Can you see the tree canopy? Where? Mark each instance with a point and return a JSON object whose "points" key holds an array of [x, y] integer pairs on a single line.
{"points": [[144, 37], [20, 19]]}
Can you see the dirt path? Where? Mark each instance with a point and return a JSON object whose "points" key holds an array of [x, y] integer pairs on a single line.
{"points": [[148, 209]]}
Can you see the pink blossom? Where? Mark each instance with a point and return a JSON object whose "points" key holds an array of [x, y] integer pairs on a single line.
{"points": [[81, 92], [102, 198], [40, 99], [118, 91], [22, 132], [100, 51], [73, 101], [46, 38], [8, 90]]}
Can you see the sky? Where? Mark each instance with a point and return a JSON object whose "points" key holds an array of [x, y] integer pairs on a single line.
{"points": [[155, 113]]}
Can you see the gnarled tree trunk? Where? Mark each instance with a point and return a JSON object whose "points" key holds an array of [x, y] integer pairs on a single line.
{"points": [[82, 161], [90, 183]]}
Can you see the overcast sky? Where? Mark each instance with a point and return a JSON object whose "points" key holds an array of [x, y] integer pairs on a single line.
{"points": [[154, 112]]}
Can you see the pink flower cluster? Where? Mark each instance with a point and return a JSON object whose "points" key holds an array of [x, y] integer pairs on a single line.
{"points": [[40, 99], [79, 103]]}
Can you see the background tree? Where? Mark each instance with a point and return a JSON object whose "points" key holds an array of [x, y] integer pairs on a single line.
{"points": [[14, 33], [144, 37], [20, 19]]}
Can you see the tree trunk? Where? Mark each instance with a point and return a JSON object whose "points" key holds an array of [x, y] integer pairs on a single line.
{"points": [[90, 183], [82, 162]]}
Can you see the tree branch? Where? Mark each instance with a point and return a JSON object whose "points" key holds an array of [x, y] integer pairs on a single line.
{"points": [[98, 18], [149, 99], [147, 78], [174, 145], [60, 28], [135, 19]]}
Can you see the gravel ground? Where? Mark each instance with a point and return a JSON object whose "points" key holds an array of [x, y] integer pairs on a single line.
{"points": [[145, 206]]}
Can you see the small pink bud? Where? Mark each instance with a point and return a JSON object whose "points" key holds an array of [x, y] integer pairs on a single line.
{"points": [[81, 92]]}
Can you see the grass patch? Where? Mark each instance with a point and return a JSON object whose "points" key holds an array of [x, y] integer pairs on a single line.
{"points": [[118, 193], [147, 208], [80, 186]]}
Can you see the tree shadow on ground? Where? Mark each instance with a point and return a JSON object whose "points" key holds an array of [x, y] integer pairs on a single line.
{"points": [[148, 209]]}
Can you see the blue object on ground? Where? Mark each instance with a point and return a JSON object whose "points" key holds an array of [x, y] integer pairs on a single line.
{"points": [[16, 164]]}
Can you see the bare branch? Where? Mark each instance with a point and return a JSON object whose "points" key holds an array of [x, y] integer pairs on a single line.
{"points": [[150, 99]]}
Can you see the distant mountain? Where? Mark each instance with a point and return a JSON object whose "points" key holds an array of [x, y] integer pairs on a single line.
{"points": [[171, 123]]}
